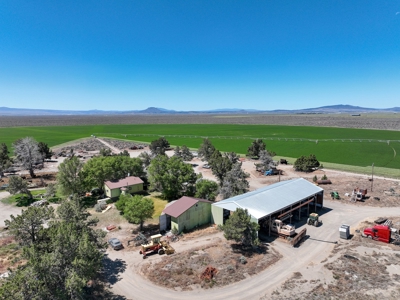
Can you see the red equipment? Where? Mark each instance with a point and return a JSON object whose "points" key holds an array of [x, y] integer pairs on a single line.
{"points": [[378, 232]]}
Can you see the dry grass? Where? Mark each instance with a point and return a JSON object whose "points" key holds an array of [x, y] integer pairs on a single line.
{"points": [[10, 254], [182, 271], [112, 216]]}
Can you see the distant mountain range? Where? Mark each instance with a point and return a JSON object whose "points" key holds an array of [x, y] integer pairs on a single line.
{"points": [[6, 111]]}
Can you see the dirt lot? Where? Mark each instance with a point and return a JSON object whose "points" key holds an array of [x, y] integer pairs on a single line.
{"points": [[358, 268], [184, 271], [384, 122]]}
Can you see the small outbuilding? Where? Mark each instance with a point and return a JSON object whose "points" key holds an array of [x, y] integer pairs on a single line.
{"points": [[129, 185], [186, 213], [285, 200]]}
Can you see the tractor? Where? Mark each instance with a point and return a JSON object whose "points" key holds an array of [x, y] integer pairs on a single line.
{"points": [[313, 219], [335, 195], [156, 246]]}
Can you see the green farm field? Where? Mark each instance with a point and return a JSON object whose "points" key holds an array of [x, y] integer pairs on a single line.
{"points": [[346, 146]]}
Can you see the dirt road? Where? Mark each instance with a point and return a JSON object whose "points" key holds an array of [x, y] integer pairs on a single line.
{"points": [[7, 210], [314, 250], [112, 148]]}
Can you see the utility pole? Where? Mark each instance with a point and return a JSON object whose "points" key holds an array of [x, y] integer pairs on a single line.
{"points": [[372, 179]]}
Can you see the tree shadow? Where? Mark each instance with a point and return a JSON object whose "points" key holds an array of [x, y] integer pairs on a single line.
{"points": [[112, 269], [249, 251], [101, 291]]}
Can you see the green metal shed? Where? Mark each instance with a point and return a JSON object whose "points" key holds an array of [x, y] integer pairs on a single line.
{"points": [[188, 213]]}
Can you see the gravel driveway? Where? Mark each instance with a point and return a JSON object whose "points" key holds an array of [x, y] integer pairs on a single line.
{"points": [[314, 250]]}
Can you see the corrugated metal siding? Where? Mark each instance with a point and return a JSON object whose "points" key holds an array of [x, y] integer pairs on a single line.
{"points": [[271, 198], [217, 215]]}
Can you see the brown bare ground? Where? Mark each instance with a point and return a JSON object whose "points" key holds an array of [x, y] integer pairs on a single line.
{"points": [[359, 268], [10, 254], [183, 271], [383, 122]]}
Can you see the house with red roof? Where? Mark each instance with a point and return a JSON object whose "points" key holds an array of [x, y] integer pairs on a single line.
{"points": [[188, 213], [130, 184]]}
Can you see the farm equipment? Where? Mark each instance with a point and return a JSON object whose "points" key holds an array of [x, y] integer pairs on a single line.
{"points": [[287, 232], [268, 173], [313, 219], [282, 229], [156, 246], [358, 194], [335, 195], [283, 161], [272, 171]]}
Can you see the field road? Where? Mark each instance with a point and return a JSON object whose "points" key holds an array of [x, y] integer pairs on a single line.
{"points": [[132, 285], [112, 148]]}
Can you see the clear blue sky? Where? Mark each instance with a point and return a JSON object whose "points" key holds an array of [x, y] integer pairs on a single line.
{"points": [[193, 55]]}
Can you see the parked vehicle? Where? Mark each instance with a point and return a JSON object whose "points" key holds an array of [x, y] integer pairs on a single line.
{"points": [[382, 233], [335, 195], [115, 243], [313, 219], [156, 246], [206, 167], [283, 229]]}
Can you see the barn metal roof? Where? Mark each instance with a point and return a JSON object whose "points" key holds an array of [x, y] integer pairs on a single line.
{"points": [[272, 198], [181, 205]]}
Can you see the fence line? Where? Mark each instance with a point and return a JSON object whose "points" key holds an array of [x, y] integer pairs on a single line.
{"points": [[251, 138]]}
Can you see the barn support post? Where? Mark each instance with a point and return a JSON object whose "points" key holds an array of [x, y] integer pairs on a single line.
{"points": [[308, 209], [299, 214], [269, 227], [315, 204], [290, 221]]}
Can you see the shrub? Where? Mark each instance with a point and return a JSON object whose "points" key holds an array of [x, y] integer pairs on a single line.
{"points": [[174, 230], [324, 177], [315, 178], [97, 208]]}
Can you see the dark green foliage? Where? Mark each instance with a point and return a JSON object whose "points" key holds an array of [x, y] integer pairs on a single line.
{"points": [[5, 161], [120, 204], [16, 185], [26, 226], [137, 209], [186, 154], [306, 163], [220, 165], [183, 153], [44, 150], [206, 189], [265, 161], [102, 168], [70, 177], [241, 229], [256, 146], [61, 261], [105, 152], [177, 151], [206, 150], [232, 156], [235, 182], [324, 177], [172, 177], [145, 158], [158, 147]]}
